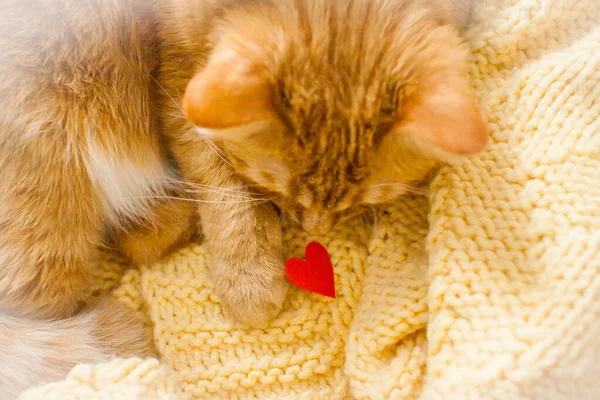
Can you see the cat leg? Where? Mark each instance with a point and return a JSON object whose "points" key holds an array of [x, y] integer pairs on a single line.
{"points": [[243, 233], [50, 226], [75, 82], [51, 222], [247, 258]]}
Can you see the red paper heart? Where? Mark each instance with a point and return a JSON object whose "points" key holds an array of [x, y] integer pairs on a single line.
{"points": [[315, 274]]}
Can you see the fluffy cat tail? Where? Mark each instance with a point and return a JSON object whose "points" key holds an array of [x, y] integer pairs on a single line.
{"points": [[33, 352]]}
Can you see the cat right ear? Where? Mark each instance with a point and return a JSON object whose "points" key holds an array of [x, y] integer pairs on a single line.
{"points": [[229, 101], [444, 119]]}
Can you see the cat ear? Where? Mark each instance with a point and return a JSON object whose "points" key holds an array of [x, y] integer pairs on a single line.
{"points": [[228, 101], [446, 118]]}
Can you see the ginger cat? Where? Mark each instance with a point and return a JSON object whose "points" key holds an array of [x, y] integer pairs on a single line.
{"points": [[138, 123]]}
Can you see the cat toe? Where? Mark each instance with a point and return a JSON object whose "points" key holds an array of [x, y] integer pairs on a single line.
{"points": [[255, 299]]}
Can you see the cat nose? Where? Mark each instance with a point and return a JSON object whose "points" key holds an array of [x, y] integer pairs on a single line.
{"points": [[316, 223]]}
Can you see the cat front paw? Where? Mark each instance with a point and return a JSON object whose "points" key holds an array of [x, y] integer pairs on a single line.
{"points": [[254, 290]]}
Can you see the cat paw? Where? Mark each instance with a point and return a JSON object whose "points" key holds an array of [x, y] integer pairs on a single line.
{"points": [[255, 292], [247, 266]]}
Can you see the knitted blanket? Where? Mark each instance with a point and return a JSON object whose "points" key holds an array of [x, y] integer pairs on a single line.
{"points": [[489, 288]]}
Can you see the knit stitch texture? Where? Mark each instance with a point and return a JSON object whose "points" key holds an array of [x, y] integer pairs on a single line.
{"points": [[487, 289]]}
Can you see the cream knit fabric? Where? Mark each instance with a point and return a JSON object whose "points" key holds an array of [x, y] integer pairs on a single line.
{"points": [[489, 289]]}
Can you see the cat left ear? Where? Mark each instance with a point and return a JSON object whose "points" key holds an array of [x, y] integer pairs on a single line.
{"points": [[228, 101], [446, 119]]}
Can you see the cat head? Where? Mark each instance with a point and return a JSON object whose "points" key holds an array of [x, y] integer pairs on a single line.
{"points": [[333, 106]]}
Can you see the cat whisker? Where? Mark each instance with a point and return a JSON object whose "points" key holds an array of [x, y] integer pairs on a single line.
{"points": [[210, 144], [204, 186], [206, 190], [216, 149], [281, 218], [375, 217], [257, 201], [176, 116], [167, 93]]}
